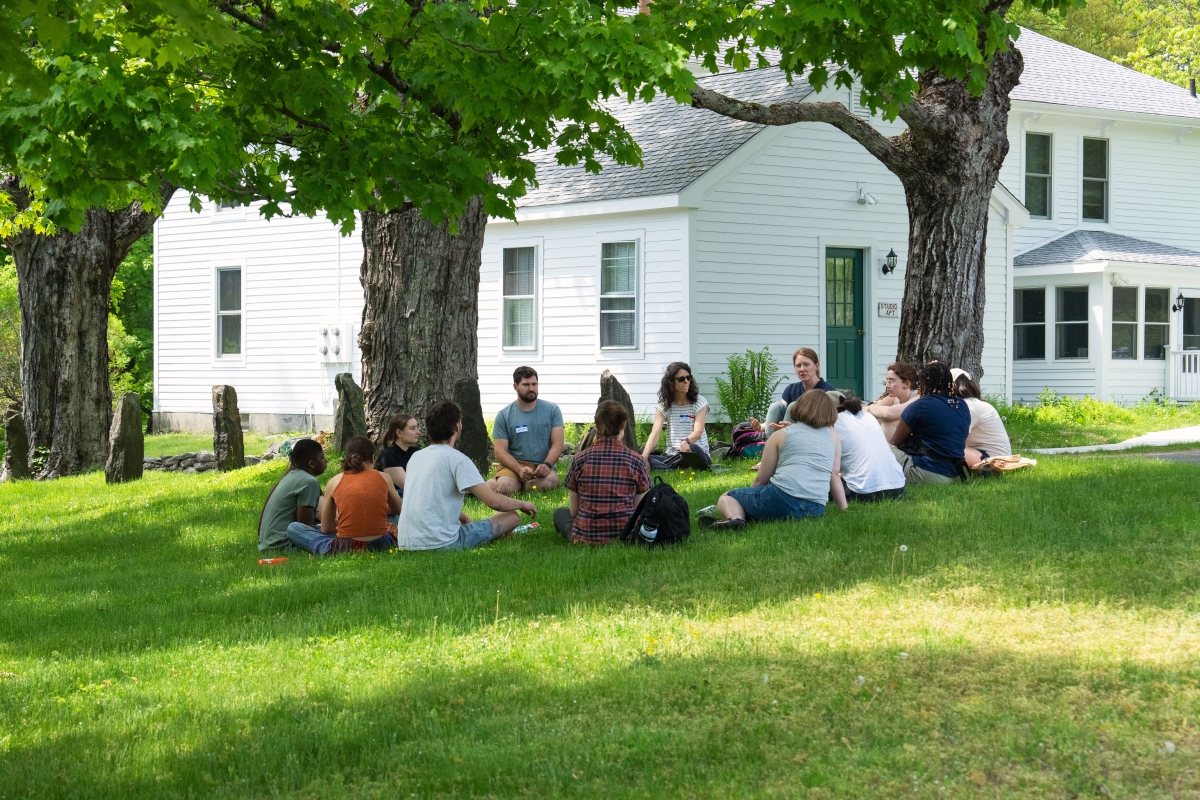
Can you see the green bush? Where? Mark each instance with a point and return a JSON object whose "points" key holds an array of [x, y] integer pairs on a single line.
{"points": [[752, 380]]}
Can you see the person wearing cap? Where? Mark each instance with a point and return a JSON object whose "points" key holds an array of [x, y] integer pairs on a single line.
{"points": [[870, 473], [987, 436]]}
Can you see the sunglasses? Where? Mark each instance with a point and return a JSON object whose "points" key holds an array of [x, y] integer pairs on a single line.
{"points": [[684, 379]]}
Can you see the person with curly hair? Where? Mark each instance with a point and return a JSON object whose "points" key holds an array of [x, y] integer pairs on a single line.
{"points": [[899, 389], [682, 411], [931, 435], [355, 514]]}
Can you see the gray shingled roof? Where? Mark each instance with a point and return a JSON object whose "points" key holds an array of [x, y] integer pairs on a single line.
{"points": [[1100, 246], [1059, 74], [679, 143]]}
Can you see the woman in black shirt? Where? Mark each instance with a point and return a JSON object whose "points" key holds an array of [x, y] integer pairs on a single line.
{"points": [[399, 443]]}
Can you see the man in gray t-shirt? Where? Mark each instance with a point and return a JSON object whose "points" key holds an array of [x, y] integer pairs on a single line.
{"points": [[528, 439], [437, 481]]}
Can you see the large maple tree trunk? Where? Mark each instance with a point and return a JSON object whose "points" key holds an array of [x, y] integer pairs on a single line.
{"points": [[63, 283], [420, 310]]}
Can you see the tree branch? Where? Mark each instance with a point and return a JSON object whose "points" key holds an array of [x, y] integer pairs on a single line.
{"points": [[835, 114], [283, 109], [229, 8]]}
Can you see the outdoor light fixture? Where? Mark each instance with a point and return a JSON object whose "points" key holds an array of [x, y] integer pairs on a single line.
{"points": [[865, 197], [889, 262], [1178, 303]]}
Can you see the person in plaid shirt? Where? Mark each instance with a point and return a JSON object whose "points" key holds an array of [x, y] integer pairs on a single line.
{"points": [[605, 483]]}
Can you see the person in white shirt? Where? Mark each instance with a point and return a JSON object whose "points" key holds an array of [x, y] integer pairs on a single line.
{"points": [[438, 480], [988, 437], [870, 473], [682, 412]]}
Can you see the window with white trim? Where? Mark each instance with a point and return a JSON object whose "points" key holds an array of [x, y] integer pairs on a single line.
{"points": [[229, 311], [1157, 323], [1095, 180], [618, 295], [1029, 328], [1124, 322], [1037, 174], [520, 297], [1071, 322]]}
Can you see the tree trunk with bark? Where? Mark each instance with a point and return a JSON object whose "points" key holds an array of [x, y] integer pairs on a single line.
{"points": [[420, 318], [63, 283], [948, 161]]}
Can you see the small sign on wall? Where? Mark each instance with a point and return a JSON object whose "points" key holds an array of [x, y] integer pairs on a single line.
{"points": [[889, 309]]}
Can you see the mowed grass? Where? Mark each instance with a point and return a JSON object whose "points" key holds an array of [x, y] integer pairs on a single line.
{"points": [[1056, 421], [172, 444], [1040, 637]]}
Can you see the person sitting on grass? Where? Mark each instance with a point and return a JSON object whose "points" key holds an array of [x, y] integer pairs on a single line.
{"points": [[798, 472], [439, 478], [355, 515], [899, 389], [683, 411], [869, 472], [295, 498], [808, 373], [604, 484], [987, 436], [931, 434], [399, 444], [527, 437]]}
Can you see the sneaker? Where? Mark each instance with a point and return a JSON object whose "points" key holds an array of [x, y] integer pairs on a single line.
{"points": [[707, 511], [728, 524], [706, 520]]}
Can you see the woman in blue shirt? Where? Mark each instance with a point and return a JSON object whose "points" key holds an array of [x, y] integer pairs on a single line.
{"points": [[808, 371], [933, 430]]}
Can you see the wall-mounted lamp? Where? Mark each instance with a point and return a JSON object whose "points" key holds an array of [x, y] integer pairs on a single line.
{"points": [[889, 262], [1178, 303], [865, 197]]}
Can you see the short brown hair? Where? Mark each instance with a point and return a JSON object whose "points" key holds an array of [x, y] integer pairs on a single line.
{"points": [[521, 373], [815, 409], [440, 421], [905, 372], [610, 417]]}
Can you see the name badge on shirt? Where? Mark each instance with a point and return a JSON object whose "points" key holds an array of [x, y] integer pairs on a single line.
{"points": [[686, 418], [522, 429]]}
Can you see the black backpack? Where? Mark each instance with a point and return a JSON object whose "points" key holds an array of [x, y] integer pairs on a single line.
{"points": [[661, 518]]}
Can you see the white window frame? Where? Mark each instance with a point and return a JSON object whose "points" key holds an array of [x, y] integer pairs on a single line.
{"points": [[238, 359], [1044, 323], [1108, 158], [636, 295], [604, 237], [1025, 173], [1087, 320], [219, 214], [1113, 322], [1146, 324], [521, 244]]}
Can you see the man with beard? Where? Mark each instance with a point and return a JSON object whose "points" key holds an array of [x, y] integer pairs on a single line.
{"points": [[528, 439]]}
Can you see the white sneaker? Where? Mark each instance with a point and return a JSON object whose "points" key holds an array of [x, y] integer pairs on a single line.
{"points": [[707, 510]]}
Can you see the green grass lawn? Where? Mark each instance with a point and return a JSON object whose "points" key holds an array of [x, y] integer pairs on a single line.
{"points": [[172, 444], [1040, 637], [1068, 422]]}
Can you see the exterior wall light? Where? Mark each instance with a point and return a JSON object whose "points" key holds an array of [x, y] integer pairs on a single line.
{"points": [[1178, 303], [889, 262]]}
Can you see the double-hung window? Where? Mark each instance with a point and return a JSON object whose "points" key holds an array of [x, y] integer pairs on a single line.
{"points": [[1029, 329], [1156, 324], [1095, 180], [618, 295], [1037, 174], [229, 311], [1124, 322], [520, 297], [1071, 322]]}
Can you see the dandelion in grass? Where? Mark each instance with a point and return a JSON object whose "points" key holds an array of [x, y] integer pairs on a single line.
{"points": [[1169, 747], [860, 680]]}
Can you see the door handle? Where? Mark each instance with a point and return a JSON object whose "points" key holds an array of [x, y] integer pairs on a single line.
{"points": [[860, 333]]}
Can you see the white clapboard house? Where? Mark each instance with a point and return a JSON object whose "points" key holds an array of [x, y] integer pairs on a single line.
{"points": [[734, 236]]}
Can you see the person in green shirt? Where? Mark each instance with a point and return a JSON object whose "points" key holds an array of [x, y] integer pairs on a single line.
{"points": [[295, 498]]}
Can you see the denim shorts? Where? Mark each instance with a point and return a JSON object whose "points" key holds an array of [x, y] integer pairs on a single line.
{"points": [[472, 535], [769, 502]]}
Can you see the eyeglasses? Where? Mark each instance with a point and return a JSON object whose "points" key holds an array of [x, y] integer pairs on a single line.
{"points": [[684, 379]]}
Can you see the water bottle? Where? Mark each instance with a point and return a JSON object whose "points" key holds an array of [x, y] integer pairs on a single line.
{"points": [[525, 528]]}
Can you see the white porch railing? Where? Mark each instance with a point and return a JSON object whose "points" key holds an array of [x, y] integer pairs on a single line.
{"points": [[1183, 374]]}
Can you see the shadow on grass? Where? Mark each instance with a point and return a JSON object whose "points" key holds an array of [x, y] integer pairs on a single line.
{"points": [[172, 559], [975, 722]]}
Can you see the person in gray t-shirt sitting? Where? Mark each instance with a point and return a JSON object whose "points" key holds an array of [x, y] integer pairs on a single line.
{"points": [[528, 439], [438, 480]]}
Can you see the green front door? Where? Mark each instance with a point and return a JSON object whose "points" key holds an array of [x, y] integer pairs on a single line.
{"points": [[844, 319]]}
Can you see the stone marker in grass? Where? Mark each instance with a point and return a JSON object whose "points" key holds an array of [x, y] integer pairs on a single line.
{"points": [[611, 389], [350, 419], [227, 429], [16, 444], [474, 442], [126, 443]]}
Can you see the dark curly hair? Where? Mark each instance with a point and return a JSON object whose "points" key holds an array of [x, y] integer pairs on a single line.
{"points": [[936, 379], [666, 391], [359, 455]]}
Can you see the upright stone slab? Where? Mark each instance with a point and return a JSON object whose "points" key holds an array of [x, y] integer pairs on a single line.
{"points": [[611, 389], [126, 443], [474, 442], [351, 417], [16, 444], [227, 429]]}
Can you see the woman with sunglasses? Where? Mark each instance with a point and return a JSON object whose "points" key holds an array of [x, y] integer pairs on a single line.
{"points": [[683, 412]]}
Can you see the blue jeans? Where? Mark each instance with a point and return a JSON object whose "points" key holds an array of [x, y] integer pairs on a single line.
{"points": [[769, 503], [312, 540], [472, 535]]}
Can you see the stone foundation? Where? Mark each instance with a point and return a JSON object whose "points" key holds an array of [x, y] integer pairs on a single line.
{"points": [[264, 424]]}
